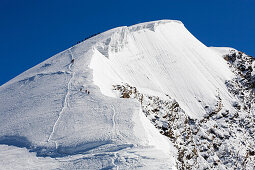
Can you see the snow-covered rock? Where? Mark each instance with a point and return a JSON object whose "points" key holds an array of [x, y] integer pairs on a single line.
{"points": [[148, 96]]}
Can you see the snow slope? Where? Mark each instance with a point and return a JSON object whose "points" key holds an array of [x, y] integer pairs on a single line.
{"points": [[164, 57], [48, 110]]}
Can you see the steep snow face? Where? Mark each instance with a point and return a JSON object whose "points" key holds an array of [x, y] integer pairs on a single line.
{"points": [[163, 57]]}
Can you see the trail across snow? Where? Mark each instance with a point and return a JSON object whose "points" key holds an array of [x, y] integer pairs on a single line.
{"points": [[65, 103], [113, 121], [90, 128]]}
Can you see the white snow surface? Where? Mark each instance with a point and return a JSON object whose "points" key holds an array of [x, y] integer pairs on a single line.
{"points": [[163, 57], [47, 110]]}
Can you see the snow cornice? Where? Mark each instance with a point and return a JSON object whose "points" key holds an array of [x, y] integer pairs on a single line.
{"points": [[151, 25]]}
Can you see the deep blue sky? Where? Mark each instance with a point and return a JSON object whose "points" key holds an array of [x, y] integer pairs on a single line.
{"points": [[34, 30]]}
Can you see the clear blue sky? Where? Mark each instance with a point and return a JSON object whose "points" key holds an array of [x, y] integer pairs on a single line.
{"points": [[34, 30]]}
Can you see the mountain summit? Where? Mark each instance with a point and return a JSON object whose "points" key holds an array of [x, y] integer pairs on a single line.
{"points": [[148, 96]]}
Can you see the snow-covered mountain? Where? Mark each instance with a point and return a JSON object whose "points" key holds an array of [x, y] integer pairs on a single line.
{"points": [[148, 96]]}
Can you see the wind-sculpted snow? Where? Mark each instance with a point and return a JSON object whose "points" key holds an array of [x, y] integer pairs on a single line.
{"points": [[55, 110], [167, 60], [67, 114]]}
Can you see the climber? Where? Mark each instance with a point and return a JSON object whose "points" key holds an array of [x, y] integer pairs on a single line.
{"points": [[87, 91]]}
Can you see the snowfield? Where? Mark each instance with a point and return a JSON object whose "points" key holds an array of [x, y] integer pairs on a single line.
{"points": [[65, 113]]}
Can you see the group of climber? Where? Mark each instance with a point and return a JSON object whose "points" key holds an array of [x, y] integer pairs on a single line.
{"points": [[86, 91], [81, 89], [86, 38]]}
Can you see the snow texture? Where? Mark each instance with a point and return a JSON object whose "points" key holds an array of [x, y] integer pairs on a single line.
{"points": [[65, 112]]}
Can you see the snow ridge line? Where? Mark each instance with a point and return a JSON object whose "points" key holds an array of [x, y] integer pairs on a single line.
{"points": [[65, 105]]}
